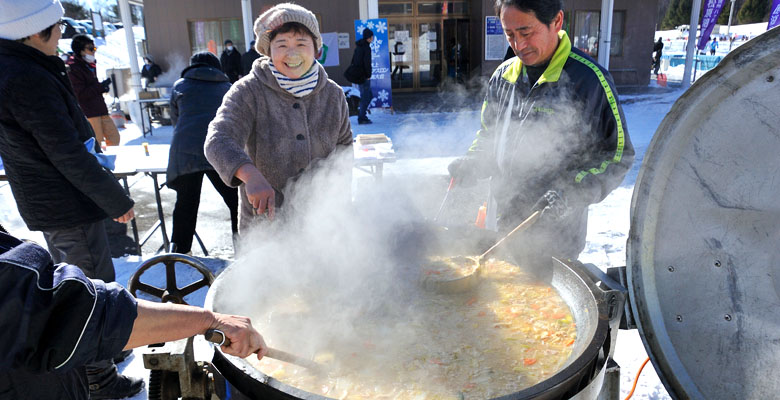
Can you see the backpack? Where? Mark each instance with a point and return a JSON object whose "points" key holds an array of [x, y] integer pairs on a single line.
{"points": [[354, 74]]}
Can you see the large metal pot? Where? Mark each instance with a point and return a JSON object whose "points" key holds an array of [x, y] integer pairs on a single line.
{"points": [[596, 312]]}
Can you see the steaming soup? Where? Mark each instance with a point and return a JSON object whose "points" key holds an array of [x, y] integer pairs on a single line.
{"points": [[508, 334], [450, 268]]}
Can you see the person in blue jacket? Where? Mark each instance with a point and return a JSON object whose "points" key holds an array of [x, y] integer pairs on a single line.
{"points": [[54, 320], [194, 103]]}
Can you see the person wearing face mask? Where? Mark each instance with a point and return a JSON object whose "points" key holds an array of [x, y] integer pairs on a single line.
{"points": [[231, 61], [89, 91], [276, 122]]}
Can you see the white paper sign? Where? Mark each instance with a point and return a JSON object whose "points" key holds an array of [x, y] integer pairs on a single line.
{"points": [[401, 36], [343, 40]]}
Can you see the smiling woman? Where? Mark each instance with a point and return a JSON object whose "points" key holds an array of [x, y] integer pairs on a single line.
{"points": [[285, 109]]}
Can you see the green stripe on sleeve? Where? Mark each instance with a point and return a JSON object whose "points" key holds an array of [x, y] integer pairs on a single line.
{"points": [[615, 112]]}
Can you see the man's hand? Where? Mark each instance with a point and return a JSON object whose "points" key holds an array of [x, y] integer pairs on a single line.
{"points": [[106, 85], [464, 171], [126, 217], [244, 339], [552, 203]]}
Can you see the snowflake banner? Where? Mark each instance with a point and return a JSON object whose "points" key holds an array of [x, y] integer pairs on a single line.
{"points": [[380, 61]]}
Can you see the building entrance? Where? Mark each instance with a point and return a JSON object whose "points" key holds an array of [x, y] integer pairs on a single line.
{"points": [[429, 42]]}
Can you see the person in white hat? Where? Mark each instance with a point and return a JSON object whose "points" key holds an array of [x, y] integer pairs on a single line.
{"points": [[59, 187], [286, 113]]}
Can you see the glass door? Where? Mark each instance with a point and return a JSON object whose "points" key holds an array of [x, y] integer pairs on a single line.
{"points": [[401, 54], [429, 52]]}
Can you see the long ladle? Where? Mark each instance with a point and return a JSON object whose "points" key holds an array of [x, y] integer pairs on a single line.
{"points": [[467, 282], [219, 337]]}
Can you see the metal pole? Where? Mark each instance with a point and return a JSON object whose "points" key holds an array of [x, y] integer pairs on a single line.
{"points": [[728, 29], [605, 36], [689, 54], [127, 23], [246, 15]]}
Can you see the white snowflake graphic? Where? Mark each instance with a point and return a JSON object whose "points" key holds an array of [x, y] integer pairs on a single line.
{"points": [[383, 95], [359, 29], [370, 25], [385, 105], [376, 44], [372, 104], [381, 27]]}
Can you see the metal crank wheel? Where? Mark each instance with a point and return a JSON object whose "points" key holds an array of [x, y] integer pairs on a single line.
{"points": [[171, 293]]}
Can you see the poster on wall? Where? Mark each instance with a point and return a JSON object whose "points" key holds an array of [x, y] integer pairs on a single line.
{"points": [[330, 50], [380, 61], [495, 42]]}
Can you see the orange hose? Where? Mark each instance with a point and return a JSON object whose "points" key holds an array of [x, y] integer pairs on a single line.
{"points": [[636, 379]]}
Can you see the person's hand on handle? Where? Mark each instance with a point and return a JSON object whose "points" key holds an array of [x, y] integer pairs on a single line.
{"points": [[130, 214], [241, 338], [258, 190]]}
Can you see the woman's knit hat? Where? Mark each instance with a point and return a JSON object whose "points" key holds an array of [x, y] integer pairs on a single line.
{"points": [[279, 15], [22, 18]]}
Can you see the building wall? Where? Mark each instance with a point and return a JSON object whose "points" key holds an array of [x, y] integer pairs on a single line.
{"points": [[168, 36]]}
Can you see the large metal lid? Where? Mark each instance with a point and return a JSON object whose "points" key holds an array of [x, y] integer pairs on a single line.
{"points": [[704, 246]]}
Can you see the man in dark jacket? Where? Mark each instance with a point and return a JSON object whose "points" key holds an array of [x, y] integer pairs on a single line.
{"points": [[194, 103], [89, 91], [248, 58], [231, 61], [553, 136], [59, 187], [361, 59], [658, 49], [53, 320]]}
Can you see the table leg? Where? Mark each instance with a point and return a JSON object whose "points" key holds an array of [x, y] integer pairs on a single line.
{"points": [[160, 214], [379, 171], [132, 221], [143, 125]]}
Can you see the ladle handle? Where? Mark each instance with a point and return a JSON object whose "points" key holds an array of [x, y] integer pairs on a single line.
{"points": [[219, 337], [523, 226]]}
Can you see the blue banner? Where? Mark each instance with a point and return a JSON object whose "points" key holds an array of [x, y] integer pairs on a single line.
{"points": [[708, 21], [380, 61], [774, 15]]}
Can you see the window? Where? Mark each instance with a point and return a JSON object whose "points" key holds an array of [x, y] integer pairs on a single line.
{"points": [[210, 35], [395, 9], [443, 8], [586, 32]]}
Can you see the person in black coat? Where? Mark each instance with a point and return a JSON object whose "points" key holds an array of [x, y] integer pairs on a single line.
{"points": [[362, 60], [231, 61], [194, 103], [248, 58], [59, 187], [150, 71]]}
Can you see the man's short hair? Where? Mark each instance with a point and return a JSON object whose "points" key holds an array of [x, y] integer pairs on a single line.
{"points": [[228, 41], [545, 10], [45, 34], [80, 42]]}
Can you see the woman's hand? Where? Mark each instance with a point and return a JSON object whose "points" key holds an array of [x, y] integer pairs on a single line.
{"points": [[258, 190]]}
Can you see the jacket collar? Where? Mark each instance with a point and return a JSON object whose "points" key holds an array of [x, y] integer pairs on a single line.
{"points": [[554, 69]]}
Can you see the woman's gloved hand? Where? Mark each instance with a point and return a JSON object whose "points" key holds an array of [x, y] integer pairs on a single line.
{"points": [[464, 170], [552, 203]]}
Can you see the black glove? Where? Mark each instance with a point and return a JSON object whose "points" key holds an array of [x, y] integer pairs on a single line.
{"points": [[106, 85], [552, 203], [464, 171]]}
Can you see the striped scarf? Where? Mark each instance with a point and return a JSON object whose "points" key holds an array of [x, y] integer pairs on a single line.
{"points": [[298, 87]]}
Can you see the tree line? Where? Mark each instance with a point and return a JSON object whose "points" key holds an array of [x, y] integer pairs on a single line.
{"points": [[748, 12]]}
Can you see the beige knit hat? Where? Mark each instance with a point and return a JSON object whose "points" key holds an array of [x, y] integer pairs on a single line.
{"points": [[279, 15]]}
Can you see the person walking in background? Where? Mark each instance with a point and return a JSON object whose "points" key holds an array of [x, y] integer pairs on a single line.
{"points": [[658, 49], [150, 71], [248, 58], [59, 187], [89, 91], [361, 60], [281, 118], [195, 99], [231, 61], [713, 46]]}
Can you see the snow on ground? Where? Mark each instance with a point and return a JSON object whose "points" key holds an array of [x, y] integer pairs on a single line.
{"points": [[418, 154]]}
